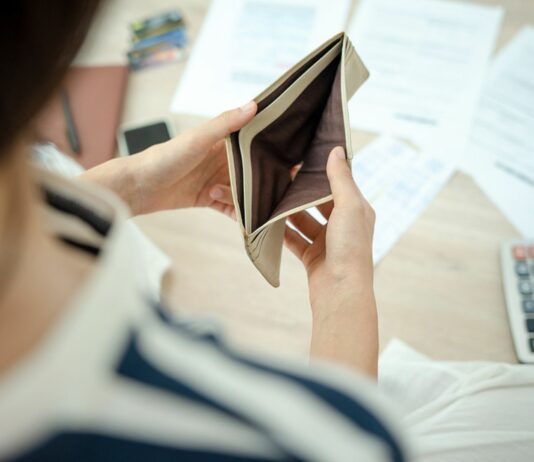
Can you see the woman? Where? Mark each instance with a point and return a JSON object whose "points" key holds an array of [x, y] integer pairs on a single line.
{"points": [[91, 368]]}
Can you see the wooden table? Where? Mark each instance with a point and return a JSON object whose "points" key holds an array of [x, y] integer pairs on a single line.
{"points": [[439, 289]]}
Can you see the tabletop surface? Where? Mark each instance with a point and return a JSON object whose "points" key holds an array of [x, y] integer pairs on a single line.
{"points": [[439, 288]]}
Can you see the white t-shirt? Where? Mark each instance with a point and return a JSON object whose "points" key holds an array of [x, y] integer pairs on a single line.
{"points": [[461, 411]]}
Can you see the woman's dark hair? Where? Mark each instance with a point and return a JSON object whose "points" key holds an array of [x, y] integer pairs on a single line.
{"points": [[39, 39]]}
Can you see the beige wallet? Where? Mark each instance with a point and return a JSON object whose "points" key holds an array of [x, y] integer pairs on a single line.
{"points": [[300, 119]]}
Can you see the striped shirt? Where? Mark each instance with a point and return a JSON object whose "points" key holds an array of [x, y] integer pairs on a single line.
{"points": [[118, 378]]}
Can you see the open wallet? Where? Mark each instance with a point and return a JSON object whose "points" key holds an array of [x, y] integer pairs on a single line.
{"points": [[300, 119]]}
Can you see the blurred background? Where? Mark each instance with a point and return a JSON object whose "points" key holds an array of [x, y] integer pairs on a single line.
{"points": [[443, 138]]}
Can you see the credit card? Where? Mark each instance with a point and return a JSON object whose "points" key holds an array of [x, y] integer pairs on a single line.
{"points": [[176, 37], [156, 25], [160, 53]]}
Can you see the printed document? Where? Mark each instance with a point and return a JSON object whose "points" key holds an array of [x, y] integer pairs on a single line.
{"points": [[399, 182], [427, 60], [501, 151], [245, 45]]}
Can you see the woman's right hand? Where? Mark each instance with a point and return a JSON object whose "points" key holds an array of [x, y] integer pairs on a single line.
{"points": [[339, 264]]}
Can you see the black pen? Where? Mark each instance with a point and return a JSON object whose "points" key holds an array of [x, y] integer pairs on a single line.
{"points": [[72, 134]]}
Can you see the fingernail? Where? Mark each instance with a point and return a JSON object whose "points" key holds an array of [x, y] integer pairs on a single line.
{"points": [[249, 107], [339, 152], [216, 193]]}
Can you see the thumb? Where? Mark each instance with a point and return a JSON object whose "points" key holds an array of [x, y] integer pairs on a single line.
{"points": [[221, 126], [342, 184]]}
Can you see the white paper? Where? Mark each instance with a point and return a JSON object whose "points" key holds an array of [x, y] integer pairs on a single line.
{"points": [[400, 189], [501, 151], [245, 45], [399, 182], [427, 60]]}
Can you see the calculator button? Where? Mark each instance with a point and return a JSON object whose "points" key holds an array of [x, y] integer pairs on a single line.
{"points": [[528, 306], [521, 268], [530, 325], [525, 287], [532, 344], [519, 252]]}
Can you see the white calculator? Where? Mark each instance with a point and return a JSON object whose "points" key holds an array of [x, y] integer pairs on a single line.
{"points": [[517, 262]]}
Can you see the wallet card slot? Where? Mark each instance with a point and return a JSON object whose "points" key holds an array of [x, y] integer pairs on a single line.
{"points": [[312, 183], [279, 137], [236, 173], [264, 101], [311, 186]]}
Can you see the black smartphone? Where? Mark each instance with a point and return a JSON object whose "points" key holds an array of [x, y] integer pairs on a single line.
{"points": [[136, 138]]}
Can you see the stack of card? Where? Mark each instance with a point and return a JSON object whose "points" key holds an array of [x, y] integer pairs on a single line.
{"points": [[157, 40]]}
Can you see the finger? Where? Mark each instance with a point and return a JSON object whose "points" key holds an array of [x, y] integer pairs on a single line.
{"points": [[326, 209], [221, 126], [227, 210], [222, 193], [306, 224], [344, 189], [295, 242]]}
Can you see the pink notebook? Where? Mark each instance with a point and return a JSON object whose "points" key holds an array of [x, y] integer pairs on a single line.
{"points": [[96, 96]]}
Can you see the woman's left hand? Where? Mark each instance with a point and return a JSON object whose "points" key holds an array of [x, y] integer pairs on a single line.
{"points": [[190, 170]]}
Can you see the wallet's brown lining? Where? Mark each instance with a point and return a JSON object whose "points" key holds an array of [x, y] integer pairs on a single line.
{"points": [[262, 104], [305, 132]]}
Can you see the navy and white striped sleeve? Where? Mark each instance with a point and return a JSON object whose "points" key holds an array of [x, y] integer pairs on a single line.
{"points": [[179, 394]]}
